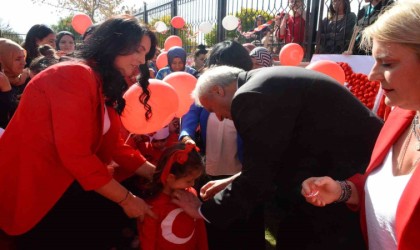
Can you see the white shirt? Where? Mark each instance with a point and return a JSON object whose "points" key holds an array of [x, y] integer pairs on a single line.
{"points": [[221, 147], [383, 191]]}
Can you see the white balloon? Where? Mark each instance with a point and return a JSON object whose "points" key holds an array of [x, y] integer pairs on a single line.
{"points": [[160, 26], [205, 27], [230, 22]]}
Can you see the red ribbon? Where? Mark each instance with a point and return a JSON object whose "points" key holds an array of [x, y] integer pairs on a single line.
{"points": [[180, 156]]}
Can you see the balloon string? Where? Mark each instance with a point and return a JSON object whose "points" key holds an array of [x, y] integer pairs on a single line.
{"points": [[128, 137]]}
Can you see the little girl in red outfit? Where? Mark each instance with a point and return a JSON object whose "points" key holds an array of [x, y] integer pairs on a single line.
{"points": [[178, 168]]}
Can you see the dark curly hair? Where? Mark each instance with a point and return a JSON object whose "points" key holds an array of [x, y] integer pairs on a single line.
{"points": [[117, 36]]}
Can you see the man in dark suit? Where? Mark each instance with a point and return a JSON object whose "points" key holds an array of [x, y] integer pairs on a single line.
{"points": [[295, 123]]}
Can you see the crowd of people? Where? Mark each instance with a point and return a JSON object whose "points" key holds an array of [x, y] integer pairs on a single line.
{"points": [[72, 177], [339, 32]]}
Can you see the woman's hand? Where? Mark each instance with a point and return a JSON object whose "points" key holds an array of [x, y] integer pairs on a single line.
{"points": [[134, 207], [321, 191]]}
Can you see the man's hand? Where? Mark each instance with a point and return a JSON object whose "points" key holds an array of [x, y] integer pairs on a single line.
{"points": [[211, 188], [187, 201]]}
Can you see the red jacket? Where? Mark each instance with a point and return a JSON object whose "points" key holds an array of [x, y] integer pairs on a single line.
{"points": [[54, 138], [407, 220]]}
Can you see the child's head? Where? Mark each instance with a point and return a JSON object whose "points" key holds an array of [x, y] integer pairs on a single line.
{"points": [[47, 58], [179, 166], [177, 58]]}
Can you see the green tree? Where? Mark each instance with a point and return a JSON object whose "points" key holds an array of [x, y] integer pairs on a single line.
{"points": [[97, 10], [7, 32]]}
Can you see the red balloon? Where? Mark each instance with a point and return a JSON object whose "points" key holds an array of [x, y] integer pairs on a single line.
{"points": [[80, 22], [183, 83], [172, 41], [329, 68], [162, 60], [163, 100], [291, 54], [177, 22]]}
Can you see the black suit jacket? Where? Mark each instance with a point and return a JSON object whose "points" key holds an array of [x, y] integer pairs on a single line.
{"points": [[296, 123]]}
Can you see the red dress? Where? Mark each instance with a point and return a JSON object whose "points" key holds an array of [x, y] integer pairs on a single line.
{"points": [[173, 229]]}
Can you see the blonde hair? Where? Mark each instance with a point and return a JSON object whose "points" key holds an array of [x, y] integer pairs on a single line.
{"points": [[399, 23]]}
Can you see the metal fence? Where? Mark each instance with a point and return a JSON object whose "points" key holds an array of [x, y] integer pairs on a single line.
{"points": [[194, 12]]}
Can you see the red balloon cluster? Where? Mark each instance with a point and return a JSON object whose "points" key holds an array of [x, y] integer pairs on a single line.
{"points": [[163, 100], [360, 86], [183, 83], [168, 98]]}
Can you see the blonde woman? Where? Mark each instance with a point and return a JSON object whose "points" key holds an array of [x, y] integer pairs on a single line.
{"points": [[388, 194]]}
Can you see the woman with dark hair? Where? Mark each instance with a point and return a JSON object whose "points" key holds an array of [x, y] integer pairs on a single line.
{"points": [[65, 43], [39, 34], [337, 28], [59, 194]]}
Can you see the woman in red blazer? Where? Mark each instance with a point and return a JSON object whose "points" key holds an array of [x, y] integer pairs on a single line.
{"points": [[388, 194], [55, 189]]}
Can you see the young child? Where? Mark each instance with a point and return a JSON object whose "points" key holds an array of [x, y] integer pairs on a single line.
{"points": [[178, 168]]}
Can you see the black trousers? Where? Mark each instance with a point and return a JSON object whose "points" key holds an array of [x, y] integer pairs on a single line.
{"points": [[79, 220], [244, 233]]}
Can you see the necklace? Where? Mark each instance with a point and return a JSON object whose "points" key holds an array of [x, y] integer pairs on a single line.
{"points": [[406, 143], [416, 134]]}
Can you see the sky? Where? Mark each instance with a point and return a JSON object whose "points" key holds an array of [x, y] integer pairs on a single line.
{"points": [[22, 14]]}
